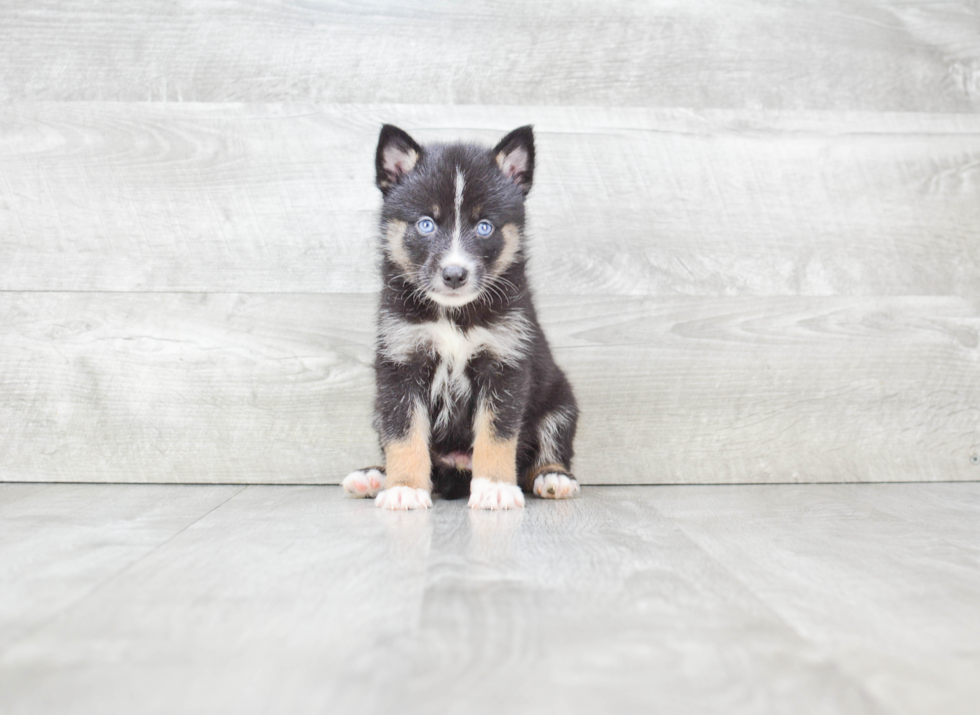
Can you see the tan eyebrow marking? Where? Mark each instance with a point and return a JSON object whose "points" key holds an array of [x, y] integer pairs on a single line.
{"points": [[512, 241], [395, 244]]}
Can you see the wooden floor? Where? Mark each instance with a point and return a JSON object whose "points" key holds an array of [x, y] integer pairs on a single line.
{"points": [[858, 598]]}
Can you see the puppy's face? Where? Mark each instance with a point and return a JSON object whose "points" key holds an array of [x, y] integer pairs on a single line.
{"points": [[453, 215]]}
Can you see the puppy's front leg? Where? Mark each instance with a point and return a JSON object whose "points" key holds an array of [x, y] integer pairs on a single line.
{"points": [[494, 484], [408, 464]]}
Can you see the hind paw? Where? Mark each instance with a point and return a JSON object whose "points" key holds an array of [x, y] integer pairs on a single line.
{"points": [[363, 483], [555, 485]]}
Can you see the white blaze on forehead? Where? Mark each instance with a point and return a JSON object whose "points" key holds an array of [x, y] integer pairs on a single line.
{"points": [[458, 207], [456, 255]]}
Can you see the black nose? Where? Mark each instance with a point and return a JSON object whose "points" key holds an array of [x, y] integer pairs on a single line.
{"points": [[454, 276]]}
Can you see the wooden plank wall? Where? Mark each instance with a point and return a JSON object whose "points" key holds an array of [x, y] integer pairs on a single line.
{"points": [[756, 230]]}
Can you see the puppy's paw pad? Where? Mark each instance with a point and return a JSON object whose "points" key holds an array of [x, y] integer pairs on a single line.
{"points": [[555, 485], [363, 483], [403, 498], [485, 494]]}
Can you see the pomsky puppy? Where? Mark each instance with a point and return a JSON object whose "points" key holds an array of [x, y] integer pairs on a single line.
{"points": [[469, 399]]}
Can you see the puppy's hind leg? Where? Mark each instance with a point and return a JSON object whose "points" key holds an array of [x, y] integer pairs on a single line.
{"points": [[549, 475]]}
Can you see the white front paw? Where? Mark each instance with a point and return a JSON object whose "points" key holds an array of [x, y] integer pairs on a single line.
{"points": [[363, 483], [403, 498], [554, 485], [485, 494]]}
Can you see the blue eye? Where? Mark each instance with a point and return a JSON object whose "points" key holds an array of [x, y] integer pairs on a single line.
{"points": [[425, 225], [484, 228]]}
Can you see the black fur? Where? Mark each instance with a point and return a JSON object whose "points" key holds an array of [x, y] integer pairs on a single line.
{"points": [[421, 181]]}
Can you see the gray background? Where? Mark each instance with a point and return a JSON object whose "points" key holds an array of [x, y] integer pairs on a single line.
{"points": [[755, 230]]}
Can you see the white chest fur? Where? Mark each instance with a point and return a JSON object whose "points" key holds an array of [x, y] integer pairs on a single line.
{"points": [[506, 341]]}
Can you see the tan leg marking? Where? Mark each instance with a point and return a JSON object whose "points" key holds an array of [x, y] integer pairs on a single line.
{"points": [[493, 458], [408, 462], [395, 245]]}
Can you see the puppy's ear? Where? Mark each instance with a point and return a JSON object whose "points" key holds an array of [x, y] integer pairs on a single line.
{"points": [[397, 155], [515, 157]]}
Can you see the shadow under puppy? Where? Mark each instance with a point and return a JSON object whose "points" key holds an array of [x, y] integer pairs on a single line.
{"points": [[469, 399]]}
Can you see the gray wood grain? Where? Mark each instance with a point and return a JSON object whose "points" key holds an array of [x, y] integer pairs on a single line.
{"points": [[305, 581], [765, 599], [805, 551], [59, 546], [515, 599], [159, 387], [775, 390], [880, 55], [278, 388], [755, 234], [131, 197]]}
